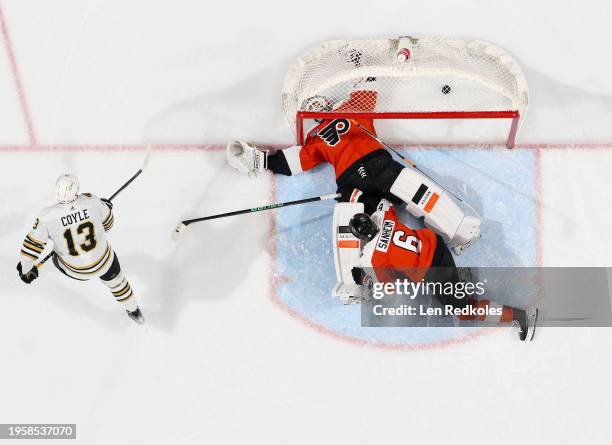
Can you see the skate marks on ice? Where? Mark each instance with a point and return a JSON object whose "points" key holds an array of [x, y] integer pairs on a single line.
{"points": [[500, 186], [208, 263], [53, 295], [565, 113], [304, 260]]}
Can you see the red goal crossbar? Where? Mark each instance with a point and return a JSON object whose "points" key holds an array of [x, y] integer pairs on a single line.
{"points": [[514, 115]]}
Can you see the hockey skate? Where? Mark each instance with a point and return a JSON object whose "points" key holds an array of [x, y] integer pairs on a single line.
{"points": [[367, 291], [465, 275], [136, 316], [525, 321]]}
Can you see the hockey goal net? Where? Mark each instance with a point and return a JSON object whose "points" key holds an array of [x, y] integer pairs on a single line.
{"points": [[429, 78]]}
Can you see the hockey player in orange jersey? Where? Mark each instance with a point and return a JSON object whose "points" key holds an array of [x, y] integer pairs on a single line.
{"points": [[394, 251], [361, 162]]}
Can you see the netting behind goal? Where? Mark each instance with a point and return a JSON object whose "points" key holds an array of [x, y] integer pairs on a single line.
{"points": [[415, 78]]}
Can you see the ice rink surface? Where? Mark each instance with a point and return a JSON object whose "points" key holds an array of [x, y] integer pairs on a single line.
{"points": [[242, 342]]}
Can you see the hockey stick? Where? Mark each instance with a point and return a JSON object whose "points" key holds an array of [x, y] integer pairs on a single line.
{"points": [[44, 260], [123, 187], [405, 159], [138, 173], [183, 224]]}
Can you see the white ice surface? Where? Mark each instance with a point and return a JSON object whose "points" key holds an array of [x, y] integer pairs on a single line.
{"points": [[219, 360]]}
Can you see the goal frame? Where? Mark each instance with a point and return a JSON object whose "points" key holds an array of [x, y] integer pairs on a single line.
{"points": [[514, 115]]}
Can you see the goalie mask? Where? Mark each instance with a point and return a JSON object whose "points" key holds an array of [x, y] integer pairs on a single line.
{"points": [[317, 104], [66, 188], [362, 226]]}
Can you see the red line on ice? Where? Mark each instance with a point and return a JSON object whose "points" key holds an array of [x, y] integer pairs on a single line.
{"points": [[87, 146], [538, 206], [110, 147], [25, 109]]}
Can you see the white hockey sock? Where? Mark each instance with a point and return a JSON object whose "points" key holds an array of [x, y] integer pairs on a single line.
{"points": [[122, 292]]}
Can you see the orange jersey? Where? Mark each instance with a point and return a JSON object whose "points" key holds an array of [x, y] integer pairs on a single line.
{"points": [[398, 251], [339, 141]]}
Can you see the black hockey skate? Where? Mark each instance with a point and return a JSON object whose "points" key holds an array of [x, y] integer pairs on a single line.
{"points": [[525, 321], [136, 316], [465, 276]]}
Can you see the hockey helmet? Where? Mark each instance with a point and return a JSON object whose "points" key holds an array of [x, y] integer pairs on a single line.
{"points": [[66, 188], [362, 226]]}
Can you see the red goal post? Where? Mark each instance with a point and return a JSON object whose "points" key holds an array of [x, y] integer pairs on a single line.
{"points": [[415, 78], [515, 115]]}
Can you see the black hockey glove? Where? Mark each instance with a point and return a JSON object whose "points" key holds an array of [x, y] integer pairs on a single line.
{"points": [[27, 277], [370, 201], [349, 195], [107, 202], [358, 275]]}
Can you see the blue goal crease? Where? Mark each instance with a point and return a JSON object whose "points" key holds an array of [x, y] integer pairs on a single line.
{"points": [[498, 184]]}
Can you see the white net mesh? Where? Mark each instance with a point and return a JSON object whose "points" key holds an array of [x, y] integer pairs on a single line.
{"points": [[412, 74]]}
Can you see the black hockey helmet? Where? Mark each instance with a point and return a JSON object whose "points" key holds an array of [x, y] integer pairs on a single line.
{"points": [[362, 226]]}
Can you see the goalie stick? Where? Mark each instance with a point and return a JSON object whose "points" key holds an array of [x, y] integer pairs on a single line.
{"points": [[113, 196], [183, 224], [405, 159]]}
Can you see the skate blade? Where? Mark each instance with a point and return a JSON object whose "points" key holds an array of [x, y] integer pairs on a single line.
{"points": [[532, 324]]}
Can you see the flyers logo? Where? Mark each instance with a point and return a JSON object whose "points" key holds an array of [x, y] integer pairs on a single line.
{"points": [[331, 133]]}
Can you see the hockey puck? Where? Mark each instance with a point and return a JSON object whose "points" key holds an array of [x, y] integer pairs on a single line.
{"points": [[446, 89]]}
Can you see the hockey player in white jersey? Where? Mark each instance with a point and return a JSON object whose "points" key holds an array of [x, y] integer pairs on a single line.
{"points": [[77, 226]]}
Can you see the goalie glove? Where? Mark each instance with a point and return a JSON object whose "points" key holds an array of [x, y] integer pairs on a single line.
{"points": [[246, 158]]}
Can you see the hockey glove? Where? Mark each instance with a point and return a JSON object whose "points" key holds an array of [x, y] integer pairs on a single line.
{"points": [[358, 275], [349, 195], [370, 201], [246, 158], [27, 277]]}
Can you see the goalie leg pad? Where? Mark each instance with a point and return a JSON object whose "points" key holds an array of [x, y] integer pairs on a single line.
{"points": [[424, 198], [347, 252]]}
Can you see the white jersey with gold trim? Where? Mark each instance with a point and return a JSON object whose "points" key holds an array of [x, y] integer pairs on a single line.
{"points": [[78, 231]]}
